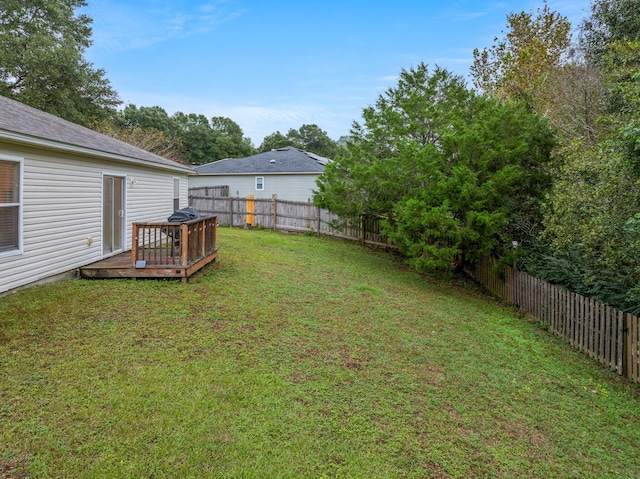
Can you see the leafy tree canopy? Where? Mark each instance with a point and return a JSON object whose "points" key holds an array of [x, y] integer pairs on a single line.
{"points": [[454, 174], [610, 21], [276, 140], [149, 139], [517, 66], [308, 138], [592, 215], [148, 117], [199, 139], [231, 140], [314, 139], [42, 64]]}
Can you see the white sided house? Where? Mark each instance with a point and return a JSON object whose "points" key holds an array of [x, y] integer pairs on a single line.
{"points": [[287, 172], [69, 195]]}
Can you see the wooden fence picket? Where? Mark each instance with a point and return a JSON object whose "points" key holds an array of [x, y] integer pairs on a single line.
{"points": [[605, 334]]}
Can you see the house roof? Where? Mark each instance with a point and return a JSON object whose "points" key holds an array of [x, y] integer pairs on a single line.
{"points": [[285, 160], [20, 123]]}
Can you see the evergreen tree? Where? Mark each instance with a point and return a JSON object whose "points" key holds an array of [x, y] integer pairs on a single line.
{"points": [[454, 174]]}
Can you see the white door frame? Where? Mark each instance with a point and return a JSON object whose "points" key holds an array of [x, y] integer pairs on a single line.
{"points": [[114, 208]]}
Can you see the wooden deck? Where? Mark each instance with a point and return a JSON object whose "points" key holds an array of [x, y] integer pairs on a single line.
{"points": [[162, 250]]}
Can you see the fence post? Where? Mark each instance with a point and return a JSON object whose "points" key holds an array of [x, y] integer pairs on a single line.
{"points": [[620, 343], [274, 210], [632, 347], [626, 346]]}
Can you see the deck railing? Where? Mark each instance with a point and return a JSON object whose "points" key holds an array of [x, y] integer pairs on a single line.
{"points": [[173, 244]]}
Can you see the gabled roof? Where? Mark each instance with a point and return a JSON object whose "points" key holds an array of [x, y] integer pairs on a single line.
{"points": [[281, 161], [23, 124]]}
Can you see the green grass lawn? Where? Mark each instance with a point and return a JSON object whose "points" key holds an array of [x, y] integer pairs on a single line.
{"points": [[295, 356]]}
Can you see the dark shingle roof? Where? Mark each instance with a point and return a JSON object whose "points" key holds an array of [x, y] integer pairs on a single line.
{"points": [[282, 160], [16, 117]]}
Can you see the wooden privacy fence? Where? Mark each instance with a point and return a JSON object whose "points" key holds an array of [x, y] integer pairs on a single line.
{"points": [[286, 215], [211, 191], [607, 335]]}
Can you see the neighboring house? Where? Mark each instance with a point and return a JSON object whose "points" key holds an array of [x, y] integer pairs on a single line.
{"points": [[68, 195], [286, 172]]}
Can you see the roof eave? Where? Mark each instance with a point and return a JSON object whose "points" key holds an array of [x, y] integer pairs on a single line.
{"points": [[262, 173], [43, 143]]}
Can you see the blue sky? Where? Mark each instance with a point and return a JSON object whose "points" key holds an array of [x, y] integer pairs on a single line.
{"points": [[279, 64]]}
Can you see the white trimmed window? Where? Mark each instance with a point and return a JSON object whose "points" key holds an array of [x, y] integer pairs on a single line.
{"points": [[259, 183], [10, 205], [176, 194]]}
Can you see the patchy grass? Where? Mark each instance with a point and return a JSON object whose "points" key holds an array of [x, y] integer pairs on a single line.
{"points": [[294, 356]]}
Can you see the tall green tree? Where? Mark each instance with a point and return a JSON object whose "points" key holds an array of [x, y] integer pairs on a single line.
{"points": [[200, 140], [149, 117], [455, 175], [374, 175], [42, 63], [592, 218], [314, 139], [592, 226], [231, 140], [518, 65], [276, 140]]}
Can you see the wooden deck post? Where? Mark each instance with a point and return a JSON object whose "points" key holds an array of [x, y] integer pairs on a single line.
{"points": [[184, 245], [134, 244], [203, 239]]}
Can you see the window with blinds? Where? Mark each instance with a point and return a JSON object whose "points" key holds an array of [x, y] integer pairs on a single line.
{"points": [[9, 205]]}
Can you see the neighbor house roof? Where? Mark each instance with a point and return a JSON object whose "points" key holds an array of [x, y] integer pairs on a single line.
{"points": [[280, 161], [23, 124]]}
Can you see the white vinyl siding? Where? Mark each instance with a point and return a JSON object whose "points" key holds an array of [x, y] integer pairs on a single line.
{"points": [[62, 211], [292, 187]]}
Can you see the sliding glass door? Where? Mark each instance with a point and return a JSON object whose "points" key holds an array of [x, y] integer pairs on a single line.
{"points": [[113, 214]]}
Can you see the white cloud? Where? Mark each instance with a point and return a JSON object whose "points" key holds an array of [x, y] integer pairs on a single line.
{"points": [[120, 26]]}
